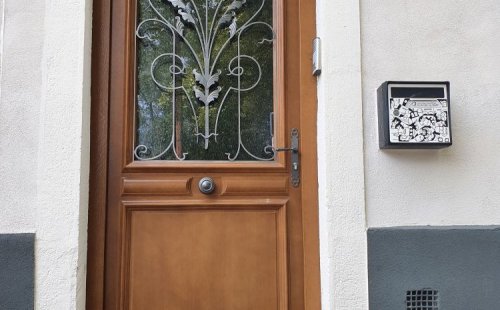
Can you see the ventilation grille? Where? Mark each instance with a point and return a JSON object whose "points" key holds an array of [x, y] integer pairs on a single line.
{"points": [[425, 299]]}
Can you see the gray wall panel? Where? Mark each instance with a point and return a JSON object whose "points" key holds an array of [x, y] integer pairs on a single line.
{"points": [[17, 271], [463, 263]]}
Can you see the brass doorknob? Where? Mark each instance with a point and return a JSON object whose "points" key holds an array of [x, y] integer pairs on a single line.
{"points": [[206, 185]]}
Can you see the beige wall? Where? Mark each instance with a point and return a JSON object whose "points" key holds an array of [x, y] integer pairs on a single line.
{"points": [[366, 43], [447, 40]]}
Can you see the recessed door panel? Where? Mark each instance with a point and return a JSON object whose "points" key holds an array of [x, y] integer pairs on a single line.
{"points": [[206, 257]]}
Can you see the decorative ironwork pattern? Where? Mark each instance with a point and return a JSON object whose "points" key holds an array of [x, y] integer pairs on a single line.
{"points": [[205, 30]]}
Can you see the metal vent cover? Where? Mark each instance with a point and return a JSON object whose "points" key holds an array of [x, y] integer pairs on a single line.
{"points": [[423, 299]]}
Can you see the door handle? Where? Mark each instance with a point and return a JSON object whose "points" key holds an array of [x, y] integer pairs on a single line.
{"points": [[294, 149], [286, 149]]}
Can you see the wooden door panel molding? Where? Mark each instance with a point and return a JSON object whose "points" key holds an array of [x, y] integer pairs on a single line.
{"points": [[178, 186], [220, 166], [100, 63], [264, 204], [240, 265], [226, 186], [308, 117], [241, 186]]}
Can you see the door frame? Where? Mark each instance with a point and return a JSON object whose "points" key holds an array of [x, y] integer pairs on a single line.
{"points": [[101, 45]]}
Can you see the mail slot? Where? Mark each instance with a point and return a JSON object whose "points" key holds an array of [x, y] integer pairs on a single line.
{"points": [[414, 115]]}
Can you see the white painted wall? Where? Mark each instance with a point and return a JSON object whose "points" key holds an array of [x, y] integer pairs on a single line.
{"points": [[20, 91], [44, 139], [63, 156], [340, 155], [450, 40]]}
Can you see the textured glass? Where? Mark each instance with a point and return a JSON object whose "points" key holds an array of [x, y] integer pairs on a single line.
{"points": [[204, 84]]}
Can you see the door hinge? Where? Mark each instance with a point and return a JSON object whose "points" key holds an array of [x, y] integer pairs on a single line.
{"points": [[316, 56], [294, 158]]}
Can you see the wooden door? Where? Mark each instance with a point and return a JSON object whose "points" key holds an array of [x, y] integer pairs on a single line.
{"points": [[179, 96]]}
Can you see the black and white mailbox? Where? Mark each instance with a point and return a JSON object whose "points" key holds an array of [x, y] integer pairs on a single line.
{"points": [[414, 115]]}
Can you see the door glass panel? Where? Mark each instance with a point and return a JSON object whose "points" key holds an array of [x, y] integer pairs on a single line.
{"points": [[204, 80]]}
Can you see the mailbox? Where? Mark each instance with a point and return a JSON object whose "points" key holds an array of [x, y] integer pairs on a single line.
{"points": [[414, 115]]}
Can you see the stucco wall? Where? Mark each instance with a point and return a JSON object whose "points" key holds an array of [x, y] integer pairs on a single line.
{"points": [[340, 154], [20, 91], [63, 156], [44, 140], [449, 40]]}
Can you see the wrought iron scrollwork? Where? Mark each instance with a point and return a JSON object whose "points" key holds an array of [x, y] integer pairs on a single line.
{"points": [[207, 21]]}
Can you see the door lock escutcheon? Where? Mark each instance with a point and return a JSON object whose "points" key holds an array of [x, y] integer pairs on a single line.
{"points": [[294, 158]]}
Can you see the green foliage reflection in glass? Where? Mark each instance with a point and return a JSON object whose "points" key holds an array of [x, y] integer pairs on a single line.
{"points": [[204, 80]]}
